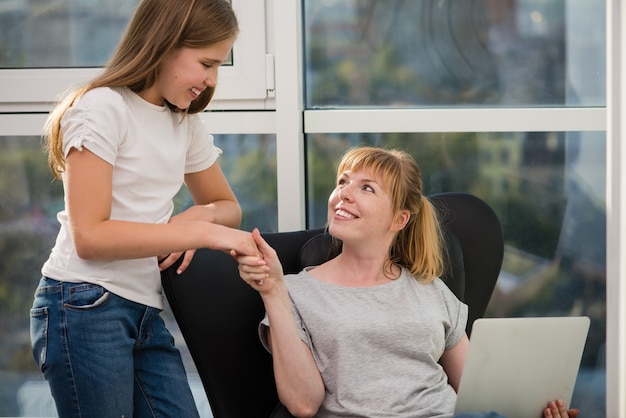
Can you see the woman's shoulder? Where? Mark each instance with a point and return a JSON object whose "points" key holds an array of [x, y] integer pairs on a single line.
{"points": [[301, 282], [436, 284], [298, 277]]}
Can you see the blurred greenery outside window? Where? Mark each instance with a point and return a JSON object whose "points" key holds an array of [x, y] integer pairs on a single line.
{"points": [[75, 33], [249, 164], [436, 53]]}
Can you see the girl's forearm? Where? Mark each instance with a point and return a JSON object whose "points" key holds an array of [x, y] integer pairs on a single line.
{"points": [[123, 240]]}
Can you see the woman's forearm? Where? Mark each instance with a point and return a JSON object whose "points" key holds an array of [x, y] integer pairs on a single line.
{"points": [[298, 381]]}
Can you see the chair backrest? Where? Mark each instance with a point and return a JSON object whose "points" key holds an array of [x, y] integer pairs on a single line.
{"points": [[218, 313]]}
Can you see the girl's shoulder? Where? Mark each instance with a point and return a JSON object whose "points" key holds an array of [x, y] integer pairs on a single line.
{"points": [[101, 101], [104, 95], [98, 108]]}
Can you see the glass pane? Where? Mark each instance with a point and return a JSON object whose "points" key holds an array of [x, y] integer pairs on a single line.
{"points": [[454, 52], [249, 164], [28, 206], [29, 202], [548, 190], [61, 34]]}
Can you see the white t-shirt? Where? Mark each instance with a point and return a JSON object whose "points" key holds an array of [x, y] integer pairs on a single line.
{"points": [[150, 148], [377, 348]]}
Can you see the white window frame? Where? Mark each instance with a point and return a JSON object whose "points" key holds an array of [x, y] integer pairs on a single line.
{"points": [[616, 209]]}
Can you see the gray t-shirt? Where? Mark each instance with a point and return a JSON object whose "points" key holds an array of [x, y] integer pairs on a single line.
{"points": [[378, 347]]}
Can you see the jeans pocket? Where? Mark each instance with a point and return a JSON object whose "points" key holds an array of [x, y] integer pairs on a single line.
{"points": [[87, 296], [39, 335]]}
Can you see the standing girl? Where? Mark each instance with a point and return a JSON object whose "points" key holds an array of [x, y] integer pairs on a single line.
{"points": [[123, 145]]}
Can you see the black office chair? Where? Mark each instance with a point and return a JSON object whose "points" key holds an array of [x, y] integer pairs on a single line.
{"points": [[218, 314]]}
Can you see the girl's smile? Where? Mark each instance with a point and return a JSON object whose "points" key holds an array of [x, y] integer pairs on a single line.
{"points": [[186, 73]]}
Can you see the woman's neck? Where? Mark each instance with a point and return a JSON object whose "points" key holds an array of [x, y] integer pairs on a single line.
{"points": [[351, 270]]}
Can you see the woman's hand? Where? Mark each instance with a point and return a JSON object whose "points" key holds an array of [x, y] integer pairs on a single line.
{"points": [[557, 410], [298, 381], [262, 272]]}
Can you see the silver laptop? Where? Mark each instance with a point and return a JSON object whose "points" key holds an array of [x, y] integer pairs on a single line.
{"points": [[515, 366]]}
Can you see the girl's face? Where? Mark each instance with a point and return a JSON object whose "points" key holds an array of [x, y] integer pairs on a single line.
{"points": [[361, 207], [186, 73]]}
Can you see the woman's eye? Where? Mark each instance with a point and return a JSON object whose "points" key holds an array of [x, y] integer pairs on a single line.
{"points": [[368, 188]]}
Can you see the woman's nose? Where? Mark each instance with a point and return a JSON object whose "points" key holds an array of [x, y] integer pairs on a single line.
{"points": [[345, 193]]}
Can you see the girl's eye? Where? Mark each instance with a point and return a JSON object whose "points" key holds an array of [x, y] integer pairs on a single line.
{"points": [[207, 65], [368, 188]]}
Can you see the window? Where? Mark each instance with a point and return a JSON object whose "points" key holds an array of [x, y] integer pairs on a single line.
{"points": [[459, 86], [454, 53], [452, 82], [46, 48]]}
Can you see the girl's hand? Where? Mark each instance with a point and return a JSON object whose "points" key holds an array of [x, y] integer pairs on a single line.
{"points": [[167, 260]]}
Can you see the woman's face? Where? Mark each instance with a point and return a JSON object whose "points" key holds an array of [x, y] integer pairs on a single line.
{"points": [[361, 207], [186, 73]]}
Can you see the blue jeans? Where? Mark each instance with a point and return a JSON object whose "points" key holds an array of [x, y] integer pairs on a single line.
{"points": [[105, 356]]}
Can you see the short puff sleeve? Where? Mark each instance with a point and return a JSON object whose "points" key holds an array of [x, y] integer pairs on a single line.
{"points": [[97, 121], [201, 152]]}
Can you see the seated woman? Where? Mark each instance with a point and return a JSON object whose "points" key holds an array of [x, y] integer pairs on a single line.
{"points": [[373, 332]]}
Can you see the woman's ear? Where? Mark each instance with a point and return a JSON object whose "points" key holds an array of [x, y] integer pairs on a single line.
{"points": [[402, 218]]}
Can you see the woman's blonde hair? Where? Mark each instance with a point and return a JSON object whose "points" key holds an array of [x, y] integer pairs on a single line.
{"points": [[157, 29], [419, 245]]}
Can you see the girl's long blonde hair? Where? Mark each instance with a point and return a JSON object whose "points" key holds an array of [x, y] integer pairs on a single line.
{"points": [[158, 28], [419, 245]]}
